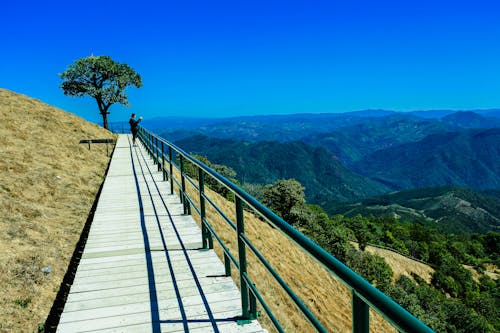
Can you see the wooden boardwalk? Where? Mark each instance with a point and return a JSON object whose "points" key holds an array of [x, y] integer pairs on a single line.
{"points": [[142, 269]]}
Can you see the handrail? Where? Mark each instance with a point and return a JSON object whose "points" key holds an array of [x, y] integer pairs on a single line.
{"points": [[364, 295]]}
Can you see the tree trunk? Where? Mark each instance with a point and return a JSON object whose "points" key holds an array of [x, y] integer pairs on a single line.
{"points": [[105, 120], [103, 110]]}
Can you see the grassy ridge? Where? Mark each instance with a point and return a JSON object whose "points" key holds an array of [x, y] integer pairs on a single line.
{"points": [[451, 208], [48, 183]]}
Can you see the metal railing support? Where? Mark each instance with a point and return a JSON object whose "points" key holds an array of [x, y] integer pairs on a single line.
{"points": [[171, 169], [148, 145], [183, 182], [184, 200], [204, 229], [153, 144], [227, 264], [248, 302], [360, 315], [164, 173], [157, 153], [240, 230], [151, 147]]}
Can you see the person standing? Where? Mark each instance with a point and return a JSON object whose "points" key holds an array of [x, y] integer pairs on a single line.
{"points": [[134, 126]]}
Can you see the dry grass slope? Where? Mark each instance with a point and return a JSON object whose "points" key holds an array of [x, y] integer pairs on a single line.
{"points": [[327, 297], [48, 182]]}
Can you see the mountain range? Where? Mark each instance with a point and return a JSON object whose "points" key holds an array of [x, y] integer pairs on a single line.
{"points": [[468, 158], [352, 143], [287, 127], [317, 169], [354, 156]]}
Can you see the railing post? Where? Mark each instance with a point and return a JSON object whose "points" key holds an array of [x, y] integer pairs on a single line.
{"points": [[183, 182], [153, 145], [248, 310], [227, 264], [171, 169], [240, 230], [360, 315], [201, 186], [253, 305], [158, 154], [164, 173], [184, 201], [155, 149], [150, 145]]}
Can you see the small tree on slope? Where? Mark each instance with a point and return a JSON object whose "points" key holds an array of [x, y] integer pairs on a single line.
{"points": [[101, 78], [286, 198]]}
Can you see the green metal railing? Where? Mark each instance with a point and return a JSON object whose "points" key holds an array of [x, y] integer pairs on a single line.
{"points": [[364, 296]]}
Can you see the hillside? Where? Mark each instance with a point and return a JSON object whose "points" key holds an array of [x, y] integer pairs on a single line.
{"points": [[321, 173], [352, 143], [469, 119], [326, 296], [48, 182], [467, 158], [453, 209]]}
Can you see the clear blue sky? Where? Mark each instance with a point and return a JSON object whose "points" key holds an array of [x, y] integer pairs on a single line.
{"points": [[228, 58]]}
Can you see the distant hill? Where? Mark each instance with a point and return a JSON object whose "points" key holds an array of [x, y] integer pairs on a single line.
{"points": [[168, 123], [467, 158], [469, 119], [452, 209], [437, 114], [266, 128], [495, 113], [352, 143], [321, 173], [288, 127]]}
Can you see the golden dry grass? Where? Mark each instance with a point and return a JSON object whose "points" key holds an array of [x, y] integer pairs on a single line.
{"points": [[328, 299], [48, 182], [402, 265]]}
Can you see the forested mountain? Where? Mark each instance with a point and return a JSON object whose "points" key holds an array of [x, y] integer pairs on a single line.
{"points": [[452, 209], [469, 119], [323, 176], [467, 158], [352, 143]]}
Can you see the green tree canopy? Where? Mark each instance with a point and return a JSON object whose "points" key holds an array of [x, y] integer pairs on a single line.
{"points": [[286, 198], [101, 78]]}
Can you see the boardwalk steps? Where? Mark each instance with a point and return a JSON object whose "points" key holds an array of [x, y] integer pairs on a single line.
{"points": [[142, 269]]}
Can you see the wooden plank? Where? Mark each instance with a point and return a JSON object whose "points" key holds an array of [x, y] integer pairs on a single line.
{"points": [[122, 285]]}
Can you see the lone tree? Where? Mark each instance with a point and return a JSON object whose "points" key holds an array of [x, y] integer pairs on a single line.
{"points": [[101, 78]]}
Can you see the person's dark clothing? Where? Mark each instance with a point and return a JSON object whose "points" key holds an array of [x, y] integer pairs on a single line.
{"points": [[134, 126]]}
